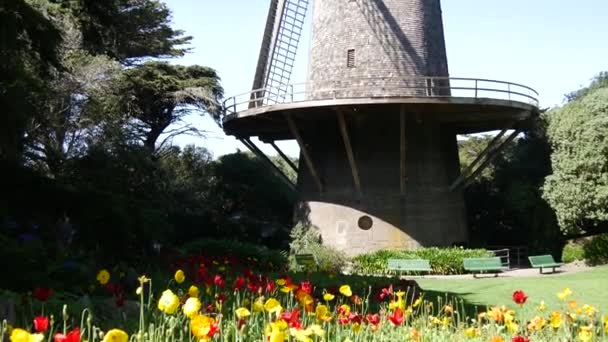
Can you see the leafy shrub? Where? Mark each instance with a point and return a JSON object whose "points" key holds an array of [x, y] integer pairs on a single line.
{"points": [[596, 250], [307, 239], [572, 252], [442, 260]]}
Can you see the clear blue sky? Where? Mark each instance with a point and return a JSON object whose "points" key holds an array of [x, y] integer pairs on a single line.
{"points": [[554, 46]]}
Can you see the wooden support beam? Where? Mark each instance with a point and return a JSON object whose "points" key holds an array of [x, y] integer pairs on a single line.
{"points": [[465, 173], [491, 157], [253, 148], [284, 156], [311, 167], [349, 151], [403, 149]]}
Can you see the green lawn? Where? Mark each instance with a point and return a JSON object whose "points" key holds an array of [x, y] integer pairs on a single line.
{"points": [[589, 287]]}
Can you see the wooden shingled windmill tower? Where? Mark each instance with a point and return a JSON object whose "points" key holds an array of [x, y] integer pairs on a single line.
{"points": [[376, 121]]}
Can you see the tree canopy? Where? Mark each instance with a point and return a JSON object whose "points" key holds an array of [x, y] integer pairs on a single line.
{"points": [[578, 187]]}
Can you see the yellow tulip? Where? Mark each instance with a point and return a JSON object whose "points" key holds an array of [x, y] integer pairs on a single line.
{"points": [[168, 302], [103, 277], [564, 294], [191, 307], [242, 313], [179, 276], [472, 332], [20, 335], [115, 335], [417, 302], [328, 297], [193, 291], [273, 306], [346, 291], [542, 307], [258, 305], [585, 334], [556, 320]]}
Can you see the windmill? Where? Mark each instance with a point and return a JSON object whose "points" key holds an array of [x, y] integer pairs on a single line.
{"points": [[376, 121]]}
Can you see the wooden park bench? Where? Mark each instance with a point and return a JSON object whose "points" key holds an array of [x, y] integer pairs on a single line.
{"points": [[307, 261], [409, 265], [543, 261], [482, 265]]}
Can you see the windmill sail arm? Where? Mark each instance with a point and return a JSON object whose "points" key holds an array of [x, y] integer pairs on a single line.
{"points": [[271, 31], [277, 53]]}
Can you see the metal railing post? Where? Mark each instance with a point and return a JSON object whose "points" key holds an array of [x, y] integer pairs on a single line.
{"points": [[476, 88], [509, 90], [291, 87]]}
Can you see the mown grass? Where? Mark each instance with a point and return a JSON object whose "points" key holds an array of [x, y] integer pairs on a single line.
{"points": [[588, 287]]}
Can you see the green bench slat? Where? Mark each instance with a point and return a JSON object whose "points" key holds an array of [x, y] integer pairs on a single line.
{"points": [[484, 264], [409, 265], [543, 261], [308, 260]]}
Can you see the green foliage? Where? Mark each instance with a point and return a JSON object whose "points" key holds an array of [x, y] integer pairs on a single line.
{"points": [[504, 205], [442, 260], [573, 252], [29, 44], [596, 250], [578, 188], [156, 95], [597, 82], [128, 30], [307, 240]]}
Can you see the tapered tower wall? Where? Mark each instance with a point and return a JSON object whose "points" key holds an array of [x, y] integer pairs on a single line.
{"points": [[386, 40], [375, 48]]}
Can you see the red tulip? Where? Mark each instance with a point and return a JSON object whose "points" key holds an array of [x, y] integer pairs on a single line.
{"points": [[397, 317], [41, 324], [72, 336], [292, 318], [219, 281], [354, 317], [519, 297], [372, 319], [520, 339], [306, 287], [239, 283], [270, 286], [42, 293]]}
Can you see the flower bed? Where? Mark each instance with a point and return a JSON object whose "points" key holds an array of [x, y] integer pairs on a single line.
{"points": [[223, 301]]}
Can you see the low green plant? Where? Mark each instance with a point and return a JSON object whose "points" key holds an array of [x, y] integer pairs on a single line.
{"points": [[442, 260], [573, 251], [596, 250], [307, 239]]}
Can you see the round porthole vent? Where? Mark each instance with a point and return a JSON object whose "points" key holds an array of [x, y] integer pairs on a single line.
{"points": [[365, 222]]}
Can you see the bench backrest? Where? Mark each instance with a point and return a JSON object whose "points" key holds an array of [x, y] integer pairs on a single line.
{"points": [[308, 260], [493, 262], [408, 264], [541, 259]]}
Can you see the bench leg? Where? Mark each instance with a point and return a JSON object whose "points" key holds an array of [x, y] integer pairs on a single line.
{"points": [[540, 270]]}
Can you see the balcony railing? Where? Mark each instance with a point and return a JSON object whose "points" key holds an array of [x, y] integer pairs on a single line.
{"points": [[354, 88]]}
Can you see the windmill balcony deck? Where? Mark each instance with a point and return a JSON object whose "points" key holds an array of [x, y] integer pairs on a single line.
{"points": [[469, 104]]}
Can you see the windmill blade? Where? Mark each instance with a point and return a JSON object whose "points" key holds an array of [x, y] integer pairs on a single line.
{"points": [[278, 51]]}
